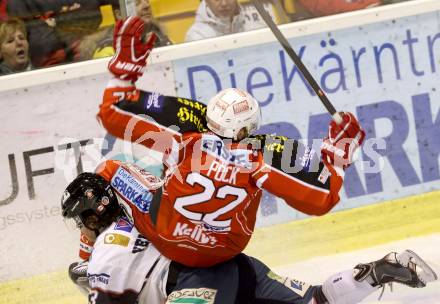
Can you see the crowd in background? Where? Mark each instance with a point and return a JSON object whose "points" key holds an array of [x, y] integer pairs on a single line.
{"points": [[43, 33]]}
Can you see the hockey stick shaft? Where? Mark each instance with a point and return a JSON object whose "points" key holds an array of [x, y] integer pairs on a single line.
{"points": [[298, 62]]}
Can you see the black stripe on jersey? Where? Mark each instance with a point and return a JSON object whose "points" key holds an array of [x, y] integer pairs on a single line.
{"points": [[185, 114], [292, 158]]}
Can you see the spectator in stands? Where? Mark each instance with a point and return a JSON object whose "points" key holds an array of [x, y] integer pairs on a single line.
{"points": [[47, 46], [100, 44], [317, 8], [14, 47], [143, 10], [221, 17]]}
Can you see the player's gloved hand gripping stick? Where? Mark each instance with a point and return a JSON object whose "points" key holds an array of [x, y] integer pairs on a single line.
{"points": [[345, 133], [342, 141]]}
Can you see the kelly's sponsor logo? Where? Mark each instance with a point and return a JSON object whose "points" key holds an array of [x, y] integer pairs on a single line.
{"points": [[195, 233]]}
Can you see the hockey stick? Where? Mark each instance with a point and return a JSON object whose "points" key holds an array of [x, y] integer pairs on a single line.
{"points": [[302, 68]]}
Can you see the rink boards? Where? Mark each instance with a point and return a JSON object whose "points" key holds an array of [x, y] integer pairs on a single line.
{"points": [[365, 61]]}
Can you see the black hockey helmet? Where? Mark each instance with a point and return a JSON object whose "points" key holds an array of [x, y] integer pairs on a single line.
{"points": [[90, 197]]}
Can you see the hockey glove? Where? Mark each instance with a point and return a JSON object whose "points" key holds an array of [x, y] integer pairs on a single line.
{"points": [[342, 141], [78, 275], [131, 52]]}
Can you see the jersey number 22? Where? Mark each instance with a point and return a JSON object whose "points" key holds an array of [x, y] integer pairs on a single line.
{"points": [[207, 194]]}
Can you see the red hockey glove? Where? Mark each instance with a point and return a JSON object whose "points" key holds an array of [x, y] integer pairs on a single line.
{"points": [[342, 141], [131, 52]]}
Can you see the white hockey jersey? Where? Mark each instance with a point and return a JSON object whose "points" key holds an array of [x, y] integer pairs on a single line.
{"points": [[123, 263]]}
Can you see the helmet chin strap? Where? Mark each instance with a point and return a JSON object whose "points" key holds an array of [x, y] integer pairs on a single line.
{"points": [[242, 134], [98, 231]]}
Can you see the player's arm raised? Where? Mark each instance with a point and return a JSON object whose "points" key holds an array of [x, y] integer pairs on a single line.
{"points": [[305, 180], [148, 118]]}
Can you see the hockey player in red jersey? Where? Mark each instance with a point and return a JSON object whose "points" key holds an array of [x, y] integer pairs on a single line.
{"points": [[204, 210]]}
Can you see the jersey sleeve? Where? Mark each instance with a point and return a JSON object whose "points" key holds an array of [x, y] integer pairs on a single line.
{"points": [[108, 168], [296, 173], [149, 118]]}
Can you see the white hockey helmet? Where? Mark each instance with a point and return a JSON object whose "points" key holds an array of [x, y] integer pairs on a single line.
{"points": [[231, 110]]}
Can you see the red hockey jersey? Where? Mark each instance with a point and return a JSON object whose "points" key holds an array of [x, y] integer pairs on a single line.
{"points": [[205, 212]]}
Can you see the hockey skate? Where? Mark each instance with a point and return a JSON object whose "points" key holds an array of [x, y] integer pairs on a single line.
{"points": [[405, 268]]}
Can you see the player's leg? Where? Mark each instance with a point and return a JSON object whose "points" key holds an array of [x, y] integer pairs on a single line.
{"points": [[272, 288], [214, 285], [347, 287], [352, 286]]}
